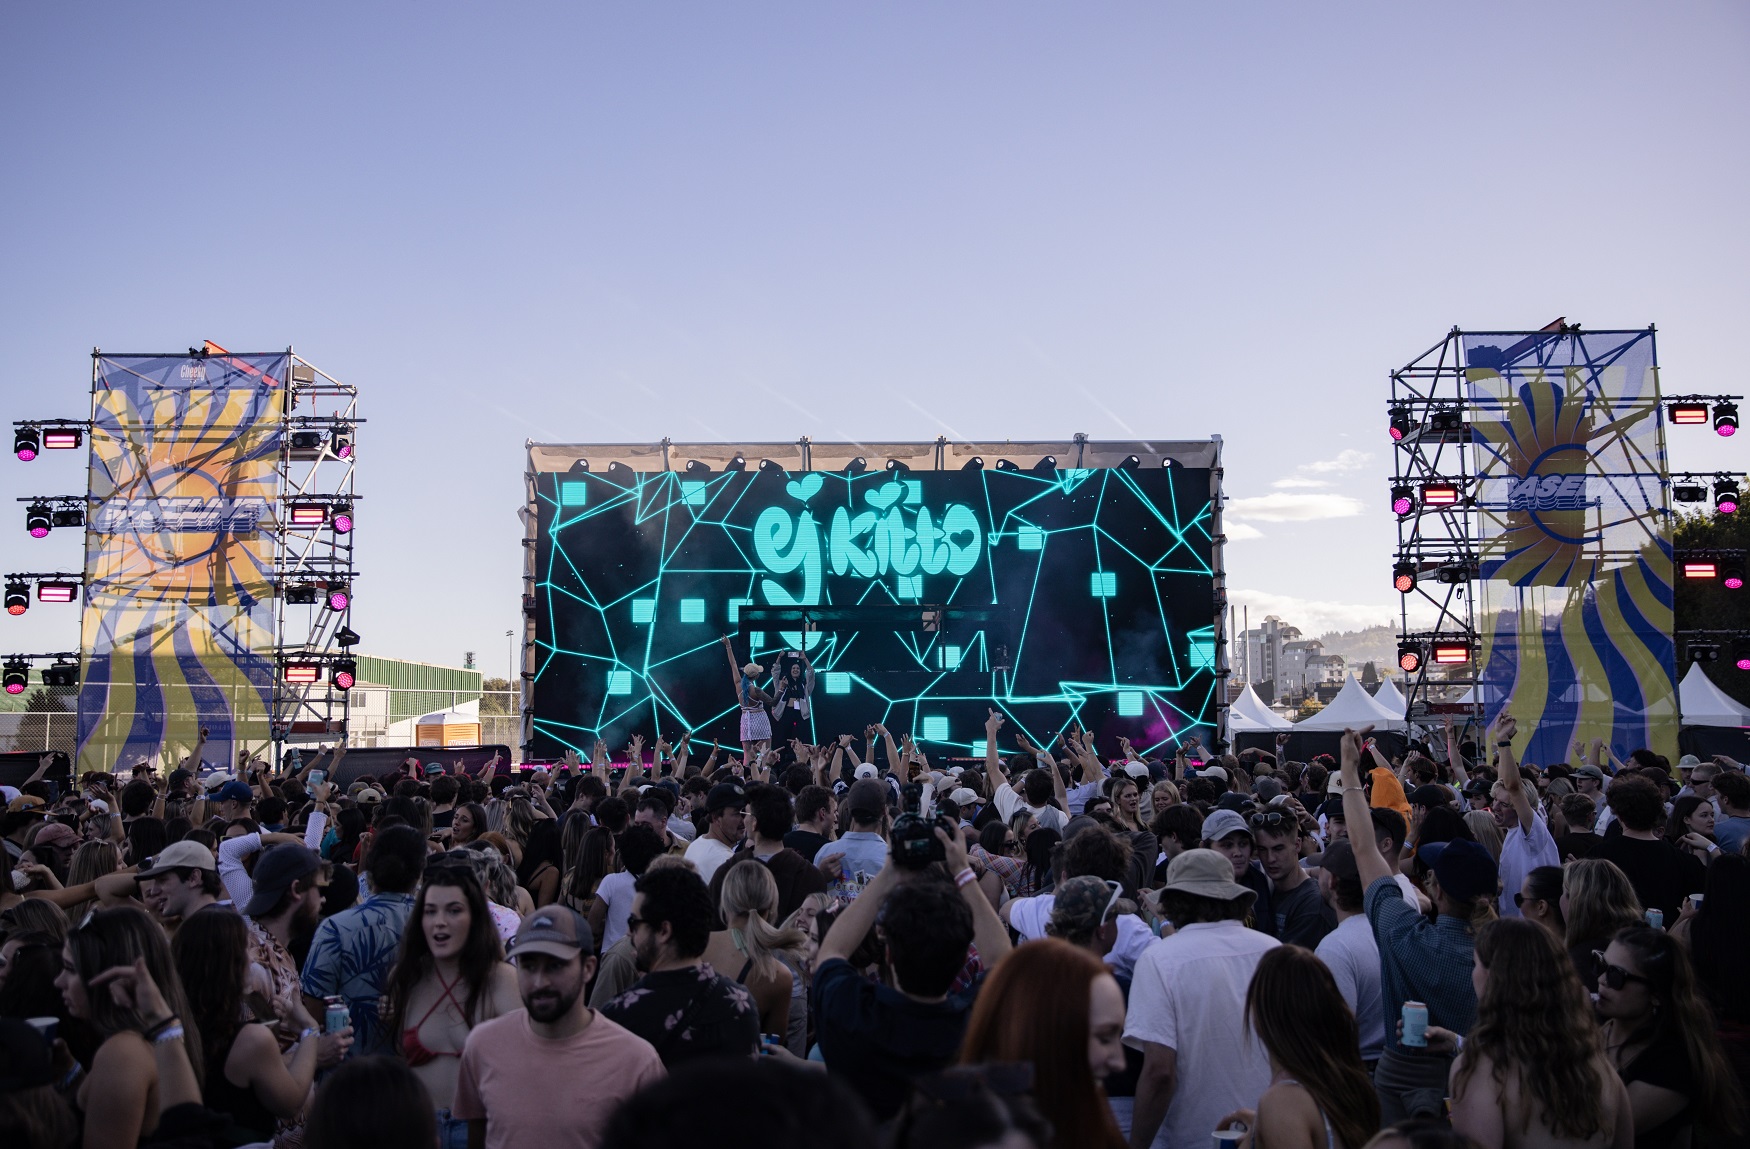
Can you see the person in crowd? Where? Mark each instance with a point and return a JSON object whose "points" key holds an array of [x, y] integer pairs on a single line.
{"points": [[246, 1076], [1718, 936], [285, 901], [1732, 827], [467, 824], [1319, 1095], [33, 1114], [91, 861], [1597, 903], [816, 818], [862, 848], [180, 881], [1420, 960], [121, 1097], [1056, 1007], [594, 860], [1350, 951], [753, 945], [1539, 899], [725, 817], [371, 1103], [636, 849], [1580, 813], [1485, 831], [1526, 842], [450, 976], [756, 719], [656, 810], [881, 1037], [1189, 995], [998, 851], [505, 1085], [682, 1006], [791, 695], [766, 1103], [1041, 784], [539, 871], [770, 811], [1126, 803], [1690, 827], [1533, 1070], [1226, 832], [354, 951], [1661, 874], [1660, 1035], [1301, 915]]}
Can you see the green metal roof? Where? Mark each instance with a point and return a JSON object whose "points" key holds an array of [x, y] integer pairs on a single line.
{"points": [[419, 687]]}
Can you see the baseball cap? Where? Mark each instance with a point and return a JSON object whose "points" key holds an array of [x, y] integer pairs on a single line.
{"points": [[866, 796], [1221, 823], [1463, 867], [753, 669], [866, 770], [27, 804], [1430, 795], [1213, 772], [56, 834], [964, 797], [1338, 861], [275, 871], [1081, 903], [1590, 772], [557, 931], [178, 855], [725, 796], [1688, 762], [368, 795], [1334, 785], [235, 791], [1136, 769], [1206, 874], [433, 768]]}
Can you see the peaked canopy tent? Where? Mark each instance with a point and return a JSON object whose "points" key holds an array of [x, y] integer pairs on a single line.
{"points": [[1391, 698], [1251, 725], [1713, 721], [1353, 708]]}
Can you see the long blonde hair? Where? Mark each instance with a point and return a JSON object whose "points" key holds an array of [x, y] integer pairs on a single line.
{"points": [[1488, 835], [748, 889], [1601, 901]]}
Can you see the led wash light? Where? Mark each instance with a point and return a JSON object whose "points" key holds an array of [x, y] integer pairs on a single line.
{"points": [[1410, 656], [1401, 424], [62, 438], [1403, 501], [17, 597], [38, 520], [1732, 578], [344, 674], [1404, 577], [1439, 494], [17, 675], [1700, 569], [1688, 414], [339, 596], [26, 444], [57, 590], [1726, 419], [1726, 497], [342, 518], [342, 441]]}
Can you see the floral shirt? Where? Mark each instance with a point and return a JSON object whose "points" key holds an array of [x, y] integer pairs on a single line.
{"points": [[689, 1013], [266, 952], [351, 957]]}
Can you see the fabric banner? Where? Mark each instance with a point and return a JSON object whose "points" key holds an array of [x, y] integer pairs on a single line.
{"points": [[178, 627], [1575, 602]]}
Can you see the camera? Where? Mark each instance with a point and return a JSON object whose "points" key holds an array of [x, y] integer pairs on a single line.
{"points": [[915, 844]]}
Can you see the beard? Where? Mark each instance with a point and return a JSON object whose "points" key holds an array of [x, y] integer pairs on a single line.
{"points": [[644, 954], [547, 1005]]}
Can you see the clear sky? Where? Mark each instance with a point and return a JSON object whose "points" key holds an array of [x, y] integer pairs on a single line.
{"points": [[576, 222]]}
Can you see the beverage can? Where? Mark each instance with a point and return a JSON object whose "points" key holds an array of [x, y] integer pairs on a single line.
{"points": [[1656, 919], [1415, 1025], [1229, 1138], [338, 1016]]}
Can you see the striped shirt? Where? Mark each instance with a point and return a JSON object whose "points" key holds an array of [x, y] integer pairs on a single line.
{"points": [[1419, 961]]}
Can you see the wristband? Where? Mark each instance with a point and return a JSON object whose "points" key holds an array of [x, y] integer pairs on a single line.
{"points": [[168, 1035], [152, 1031], [1503, 745], [307, 1033], [965, 877]]}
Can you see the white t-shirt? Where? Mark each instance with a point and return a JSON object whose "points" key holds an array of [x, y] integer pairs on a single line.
{"points": [[1189, 994], [1521, 853], [1412, 895], [1079, 796], [1352, 955], [1028, 916], [707, 853], [1048, 817], [615, 891]]}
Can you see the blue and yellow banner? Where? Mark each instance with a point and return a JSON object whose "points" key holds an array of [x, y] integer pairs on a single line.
{"points": [[1575, 606], [178, 625]]}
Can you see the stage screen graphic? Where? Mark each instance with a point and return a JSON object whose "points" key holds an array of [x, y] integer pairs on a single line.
{"points": [[1575, 603], [178, 623], [933, 596]]}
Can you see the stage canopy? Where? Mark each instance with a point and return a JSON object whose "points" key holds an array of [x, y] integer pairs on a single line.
{"points": [[1705, 704], [1390, 698], [1248, 715], [1353, 708]]}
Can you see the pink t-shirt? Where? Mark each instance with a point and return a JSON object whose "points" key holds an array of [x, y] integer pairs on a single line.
{"points": [[533, 1090]]}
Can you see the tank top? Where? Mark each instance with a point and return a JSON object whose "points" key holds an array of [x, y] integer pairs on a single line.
{"points": [[250, 1119]]}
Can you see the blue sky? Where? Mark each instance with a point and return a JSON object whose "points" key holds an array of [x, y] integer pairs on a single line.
{"points": [[758, 221]]}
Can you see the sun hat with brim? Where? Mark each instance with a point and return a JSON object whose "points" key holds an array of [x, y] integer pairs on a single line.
{"points": [[557, 931], [1220, 823], [1463, 868], [753, 670], [1688, 762], [177, 856], [275, 871], [1205, 874]]}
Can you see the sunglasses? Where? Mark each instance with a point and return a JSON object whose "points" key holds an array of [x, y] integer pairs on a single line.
{"points": [[1615, 976], [1117, 891], [633, 921], [1271, 819]]}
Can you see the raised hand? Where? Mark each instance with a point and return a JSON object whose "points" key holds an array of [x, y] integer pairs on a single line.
{"points": [[994, 723]]}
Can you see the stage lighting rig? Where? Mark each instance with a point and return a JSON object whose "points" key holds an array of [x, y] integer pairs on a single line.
{"points": [[51, 587], [1741, 654], [897, 467], [1007, 465], [736, 464], [1686, 414], [1450, 652], [1403, 577], [15, 674], [26, 443], [1726, 419], [301, 673], [1440, 493], [1401, 424], [856, 466], [17, 597], [1446, 422], [339, 596], [1046, 466], [1688, 492], [342, 520], [772, 467], [1455, 573], [63, 672], [343, 673], [976, 463], [38, 520], [695, 467], [303, 594], [345, 636], [1693, 411], [340, 442], [1702, 651], [1726, 496], [1403, 501], [1409, 656]]}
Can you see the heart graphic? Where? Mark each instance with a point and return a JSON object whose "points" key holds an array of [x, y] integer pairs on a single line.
{"points": [[807, 488], [885, 496]]}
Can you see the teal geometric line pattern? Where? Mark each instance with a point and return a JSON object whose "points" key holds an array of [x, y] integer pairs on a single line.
{"points": [[1083, 595]]}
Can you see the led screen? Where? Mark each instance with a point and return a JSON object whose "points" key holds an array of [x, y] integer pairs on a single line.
{"points": [[924, 600]]}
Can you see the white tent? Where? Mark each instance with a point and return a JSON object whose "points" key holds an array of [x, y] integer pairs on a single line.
{"points": [[1248, 715], [1391, 698], [1705, 704], [1353, 707]]}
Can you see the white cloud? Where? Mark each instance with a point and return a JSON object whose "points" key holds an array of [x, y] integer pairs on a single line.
{"points": [[1286, 484], [1242, 532], [1314, 616], [1350, 460], [1293, 508]]}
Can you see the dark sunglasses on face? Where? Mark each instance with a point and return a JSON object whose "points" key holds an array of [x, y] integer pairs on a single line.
{"points": [[1615, 976]]}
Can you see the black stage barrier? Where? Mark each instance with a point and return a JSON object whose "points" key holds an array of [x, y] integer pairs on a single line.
{"points": [[1305, 745], [379, 760], [16, 767], [1706, 741]]}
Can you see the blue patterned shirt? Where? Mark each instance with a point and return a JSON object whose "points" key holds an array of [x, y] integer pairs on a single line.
{"points": [[1419, 961], [352, 955]]}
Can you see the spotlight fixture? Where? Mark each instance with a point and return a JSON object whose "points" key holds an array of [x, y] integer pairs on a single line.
{"points": [[17, 675], [71, 438], [1006, 465], [1732, 578], [895, 465], [343, 674], [303, 673], [1448, 652], [309, 514], [1685, 414], [621, 473], [67, 517], [1446, 422], [38, 520], [57, 590], [340, 441], [1131, 463], [1459, 572], [1726, 496], [694, 467], [1403, 577], [1741, 656], [1046, 465], [62, 673], [1698, 652], [342, 521], [1726, 419], [1700, 569], [736, 464], [1401, 424], [17, 597], [771, 467], [1688, 492], [1403, 501], [339, 596], [976, 463], [345, 636], [1439, 494], [26, 443], [302, 594], [1410, 656], [856, 466], [306, 440], [581, 467]]}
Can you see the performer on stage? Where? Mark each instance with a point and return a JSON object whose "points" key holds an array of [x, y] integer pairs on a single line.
{"points": [[756, 724], [790, 718]]}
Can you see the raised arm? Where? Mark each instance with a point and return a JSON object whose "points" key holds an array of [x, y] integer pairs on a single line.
{"points": [[1356, 815], [988, 932], [1502, 736], [993, 762], [893, 761], [734, 668]]}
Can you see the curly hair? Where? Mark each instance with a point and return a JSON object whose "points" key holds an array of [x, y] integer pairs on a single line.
{"points": [[1535, 1020]]}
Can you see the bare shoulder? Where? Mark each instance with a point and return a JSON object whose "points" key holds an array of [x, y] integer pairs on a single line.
{"points": [[123, 1052], [503, 993]]}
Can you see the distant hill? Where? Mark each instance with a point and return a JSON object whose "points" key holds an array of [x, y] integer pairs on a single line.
{"points": [[1375, 644]]}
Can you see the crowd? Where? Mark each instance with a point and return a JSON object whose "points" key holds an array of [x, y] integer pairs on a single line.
{"points": [[849, 945]]}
